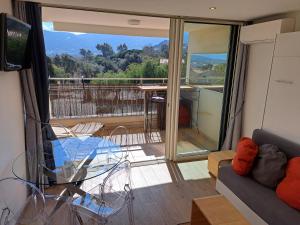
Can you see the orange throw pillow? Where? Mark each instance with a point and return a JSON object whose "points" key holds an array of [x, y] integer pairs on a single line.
{"points": [[288, 189], [246, 152]]}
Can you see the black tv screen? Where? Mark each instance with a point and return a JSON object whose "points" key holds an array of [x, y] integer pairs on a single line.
{"points": [[14, 43]]}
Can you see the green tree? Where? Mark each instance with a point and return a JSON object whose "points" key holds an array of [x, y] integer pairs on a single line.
{"points": [[161, 71], [82, 52], [135, 70], [57, 60], [89, 70], [105, 49], [164, 50], [59, 72], [107, 64], [149, 69], [220, 68], [122, 48], [50, 66], [149, 51], [69, 63], [87, 55]]}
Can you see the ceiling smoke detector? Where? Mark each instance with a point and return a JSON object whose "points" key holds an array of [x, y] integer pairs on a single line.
{"points": [[134, 22]]}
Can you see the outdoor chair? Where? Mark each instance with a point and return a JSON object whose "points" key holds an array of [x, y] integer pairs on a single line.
{"points": [[80, 129]]}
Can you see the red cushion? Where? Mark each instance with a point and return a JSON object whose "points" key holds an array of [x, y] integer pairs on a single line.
{"points": [[293, 168], [288, 189], [246, 152]]}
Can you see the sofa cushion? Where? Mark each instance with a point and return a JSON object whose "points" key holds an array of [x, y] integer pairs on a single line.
{"points": [[289, 189], [262, 200], [246, 152], [290, 148], [269, 166]]}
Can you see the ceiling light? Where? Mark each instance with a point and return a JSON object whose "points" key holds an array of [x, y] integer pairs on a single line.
{"points": [[212, 8], [134, 22]]}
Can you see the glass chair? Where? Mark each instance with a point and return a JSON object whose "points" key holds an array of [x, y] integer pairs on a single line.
{"points": [[20, 202], [119, 140], [108, 199]]}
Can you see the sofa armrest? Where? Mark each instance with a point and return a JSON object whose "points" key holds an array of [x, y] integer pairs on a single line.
{"points": [[216, 159]]}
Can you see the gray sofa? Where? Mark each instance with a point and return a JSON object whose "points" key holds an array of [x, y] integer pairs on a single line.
{"points": [[259, 204]]}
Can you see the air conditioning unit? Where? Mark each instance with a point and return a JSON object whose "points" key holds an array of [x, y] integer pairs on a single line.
{"points": [[267, 31]]}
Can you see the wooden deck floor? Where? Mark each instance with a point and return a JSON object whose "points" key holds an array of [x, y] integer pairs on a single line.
{"points": [[163, 193]]}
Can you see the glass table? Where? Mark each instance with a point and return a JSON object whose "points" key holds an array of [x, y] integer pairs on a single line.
{"points": [[71, 160]]}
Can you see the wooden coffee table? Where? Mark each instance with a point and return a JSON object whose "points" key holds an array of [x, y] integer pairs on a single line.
{"points": [[216, 210]]}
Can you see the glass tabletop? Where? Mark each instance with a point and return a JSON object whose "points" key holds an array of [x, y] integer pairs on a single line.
{"points": [[71, 160]]}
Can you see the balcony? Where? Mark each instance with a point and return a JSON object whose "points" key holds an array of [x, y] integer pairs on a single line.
{"points": [[116, 101]]}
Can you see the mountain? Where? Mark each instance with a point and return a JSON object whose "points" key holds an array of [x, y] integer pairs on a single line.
{"points": [[65, 42], [201, 59]]}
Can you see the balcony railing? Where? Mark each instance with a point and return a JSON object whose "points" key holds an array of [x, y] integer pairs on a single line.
{"points": [[104, 97]]}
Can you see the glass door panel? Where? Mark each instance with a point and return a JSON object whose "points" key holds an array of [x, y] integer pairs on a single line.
{"points": [[204, 62]]}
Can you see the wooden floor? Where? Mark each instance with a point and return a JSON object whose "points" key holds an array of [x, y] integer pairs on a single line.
{"points": [[164, 191], [150, 146]]}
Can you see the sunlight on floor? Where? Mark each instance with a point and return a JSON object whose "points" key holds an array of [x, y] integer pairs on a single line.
{"points": [[160, 173], [156, 174], [194, 170], [137, 153], [150, 175], [188, 147]]}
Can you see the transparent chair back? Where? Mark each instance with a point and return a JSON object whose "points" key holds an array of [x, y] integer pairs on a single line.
{"points": [[20, 202], [108, 199], [118, 139]]}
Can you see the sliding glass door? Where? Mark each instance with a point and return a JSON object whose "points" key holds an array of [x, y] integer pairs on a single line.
{"points": [[203, 71]]}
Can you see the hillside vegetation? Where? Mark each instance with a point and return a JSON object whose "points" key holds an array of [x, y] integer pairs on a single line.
{"points": [[122, 63]]}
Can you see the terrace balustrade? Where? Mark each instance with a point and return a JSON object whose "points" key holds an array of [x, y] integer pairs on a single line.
{"points": [[98, 97]]}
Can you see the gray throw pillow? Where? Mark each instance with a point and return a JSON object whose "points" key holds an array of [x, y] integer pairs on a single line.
{"points": [[269, 167]]}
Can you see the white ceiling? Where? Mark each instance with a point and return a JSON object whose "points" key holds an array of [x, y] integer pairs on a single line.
{"points": [[226, 9], [105, 23], [105, 19]]}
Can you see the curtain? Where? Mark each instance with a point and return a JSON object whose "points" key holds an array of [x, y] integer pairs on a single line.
{"points": [[39, 61], [233, 132], [34, 84]]}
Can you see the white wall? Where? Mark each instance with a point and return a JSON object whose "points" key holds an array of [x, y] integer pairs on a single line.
{"points": [[283, 105], [207, 108], [282, 109], [11, 114], [259, 65]]}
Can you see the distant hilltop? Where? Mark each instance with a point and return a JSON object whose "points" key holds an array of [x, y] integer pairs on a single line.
{"points": [[69, 43]]}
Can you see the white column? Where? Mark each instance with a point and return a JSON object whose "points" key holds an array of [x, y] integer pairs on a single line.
{"points": [[175, 59]]}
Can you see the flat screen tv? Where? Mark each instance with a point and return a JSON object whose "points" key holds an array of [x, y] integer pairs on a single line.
{"points": [[14, 35]]}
